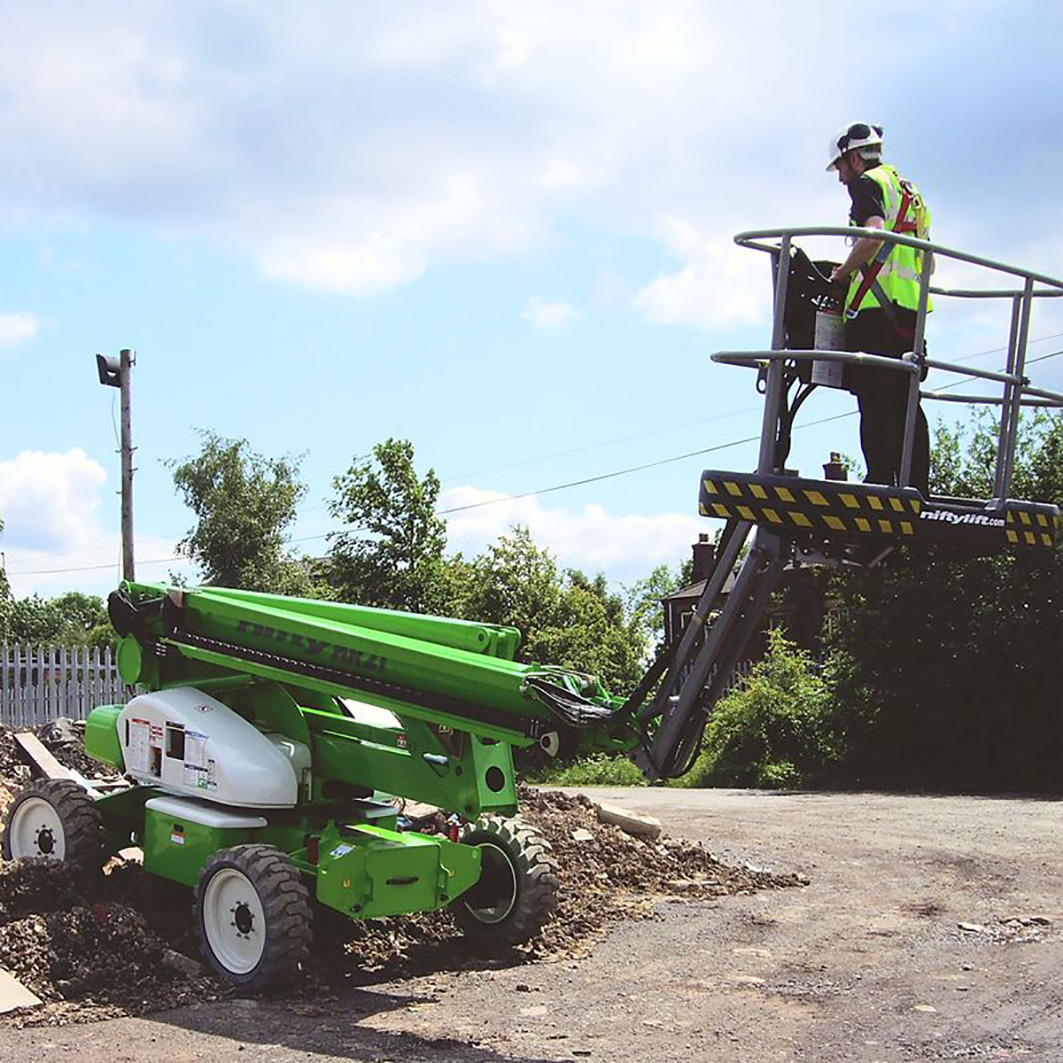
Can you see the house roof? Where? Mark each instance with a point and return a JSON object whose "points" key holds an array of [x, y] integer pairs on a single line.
{"points": [[695, 590]]}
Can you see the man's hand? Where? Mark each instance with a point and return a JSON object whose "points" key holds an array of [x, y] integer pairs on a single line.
{"points": [[863, 251]]}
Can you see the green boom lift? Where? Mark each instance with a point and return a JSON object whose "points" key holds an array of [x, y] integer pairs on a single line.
{"points": [[270, 731]]}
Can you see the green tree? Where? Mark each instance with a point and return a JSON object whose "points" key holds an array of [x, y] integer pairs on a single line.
{"points": [[514, 582], [70, 619], [34, 620], [244, 504], [390, 552], [964, 458], [642, 601], [589, 632], [946, 671]]}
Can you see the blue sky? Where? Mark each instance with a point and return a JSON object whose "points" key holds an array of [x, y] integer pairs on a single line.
{"points": [[500, 230]]}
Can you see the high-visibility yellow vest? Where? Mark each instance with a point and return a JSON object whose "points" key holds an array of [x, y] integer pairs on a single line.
{"points": [[898, 272]]}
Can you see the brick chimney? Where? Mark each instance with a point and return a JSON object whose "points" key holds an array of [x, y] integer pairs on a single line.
{"points": [[704, 557]]}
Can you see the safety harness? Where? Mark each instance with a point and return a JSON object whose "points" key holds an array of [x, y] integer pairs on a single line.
{"points": [[871, 270]]}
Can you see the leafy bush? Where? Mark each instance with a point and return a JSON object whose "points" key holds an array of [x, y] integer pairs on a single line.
{"points": [[946, 670], [947, 674], [775, 730], [599, 769]]}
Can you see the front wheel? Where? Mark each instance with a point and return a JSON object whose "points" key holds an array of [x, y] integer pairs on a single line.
{"points": [[57, 820], [252, 915], [518, 887]]}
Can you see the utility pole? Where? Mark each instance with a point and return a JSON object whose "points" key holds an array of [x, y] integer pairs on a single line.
{"points": [[117, 373]]}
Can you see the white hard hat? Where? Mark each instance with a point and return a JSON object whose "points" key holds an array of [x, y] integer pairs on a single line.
{"points": [[854, 135]]}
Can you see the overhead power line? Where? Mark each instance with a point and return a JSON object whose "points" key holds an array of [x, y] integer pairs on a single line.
{"points": [[632, 468], [93, 568], [570, 483], [487, 502]]}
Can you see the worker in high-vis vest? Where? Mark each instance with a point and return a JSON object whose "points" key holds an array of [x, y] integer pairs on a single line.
{"points": [[882, 300]]}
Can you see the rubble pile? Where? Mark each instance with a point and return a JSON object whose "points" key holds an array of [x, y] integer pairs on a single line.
{"points": [[607, 873], [14, 772], [65, 740], [70, 939], [95, 946]]}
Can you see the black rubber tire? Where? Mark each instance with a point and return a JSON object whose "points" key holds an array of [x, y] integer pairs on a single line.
{"points": [[78, 818], [285, 900], [518, 890]]}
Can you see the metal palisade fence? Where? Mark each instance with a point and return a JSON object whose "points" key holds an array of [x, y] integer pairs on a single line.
{"points": [[40, 684]]}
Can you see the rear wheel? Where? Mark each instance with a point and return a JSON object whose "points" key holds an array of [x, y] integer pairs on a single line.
{"points": [[55, 819], [252, 915], [518, 887]]}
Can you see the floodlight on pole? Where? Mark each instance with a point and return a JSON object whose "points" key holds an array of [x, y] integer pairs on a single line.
{"points": [[117, 373], [109, 370]]}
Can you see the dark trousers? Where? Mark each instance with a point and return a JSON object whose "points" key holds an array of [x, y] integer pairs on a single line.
{"points": [[883, 399]]}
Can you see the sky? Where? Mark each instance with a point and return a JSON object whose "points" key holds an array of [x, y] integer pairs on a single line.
{"points": [[501, 230]]}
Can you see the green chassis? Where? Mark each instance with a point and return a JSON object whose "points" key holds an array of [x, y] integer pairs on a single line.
{"points": [[459, 705]]}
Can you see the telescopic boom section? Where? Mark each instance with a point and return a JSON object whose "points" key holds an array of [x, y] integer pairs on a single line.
{"points": [[453, 673]]}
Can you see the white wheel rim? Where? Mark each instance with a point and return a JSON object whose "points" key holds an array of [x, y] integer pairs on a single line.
{"points": [[233, 920], [36, 830], [497, 913]]}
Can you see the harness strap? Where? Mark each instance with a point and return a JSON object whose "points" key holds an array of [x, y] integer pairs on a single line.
{"points": [[872, 269], [888, 308]]}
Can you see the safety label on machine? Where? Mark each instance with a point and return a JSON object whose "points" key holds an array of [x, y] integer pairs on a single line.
{"points": [[201, 777], [195, 748], [143, 736]]}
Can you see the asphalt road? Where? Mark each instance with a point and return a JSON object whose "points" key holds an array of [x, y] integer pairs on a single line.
{"points": [[867, 964]]}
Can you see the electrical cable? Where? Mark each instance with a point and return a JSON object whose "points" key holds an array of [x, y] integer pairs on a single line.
{"points": [[630, 469], [95, 568], [603, 443], [569, 484], [488, 502]]}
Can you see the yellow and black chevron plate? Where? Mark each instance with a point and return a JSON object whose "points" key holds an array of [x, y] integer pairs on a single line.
{"points": [[825, 507], [838, 510], [1031, 525]]}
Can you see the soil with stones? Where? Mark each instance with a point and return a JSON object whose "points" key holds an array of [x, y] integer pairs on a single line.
{"points": [[929, 931], [96, 946]]}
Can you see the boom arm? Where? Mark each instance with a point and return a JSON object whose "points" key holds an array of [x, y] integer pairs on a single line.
{"points": [[451, 673]]}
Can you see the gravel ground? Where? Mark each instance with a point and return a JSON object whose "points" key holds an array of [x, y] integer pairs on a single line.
{"points": [[867, 964], [929, 930]]}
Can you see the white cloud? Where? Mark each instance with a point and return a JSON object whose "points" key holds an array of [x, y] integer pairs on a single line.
{"points": [[374, 266], [627, 547], [716, 286], [350, 150], [549, 315], [56, 533], [49, 501], [17, 328], [48, 259]]}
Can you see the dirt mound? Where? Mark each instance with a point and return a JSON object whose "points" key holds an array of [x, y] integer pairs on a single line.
{"points": [[14, 772], [64, 739], [96, 946], [86, 956]]}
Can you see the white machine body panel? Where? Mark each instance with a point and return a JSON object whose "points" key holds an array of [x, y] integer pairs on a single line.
{"points": [[206, 815], [189, 743]]}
